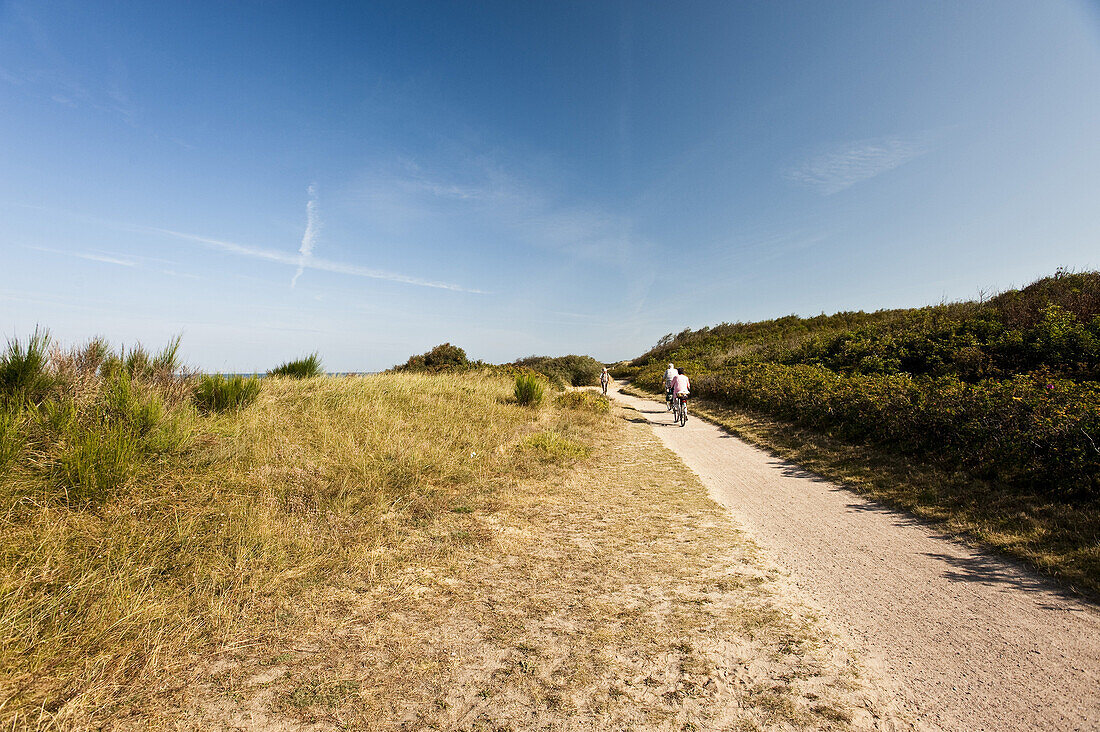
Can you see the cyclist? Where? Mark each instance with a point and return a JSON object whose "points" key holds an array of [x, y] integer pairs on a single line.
{"points": [[681, 387], [670, 374], [605, 379]]}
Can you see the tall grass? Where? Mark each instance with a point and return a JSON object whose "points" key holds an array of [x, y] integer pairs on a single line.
{"points": [[528, 390], [302, 368], [217, 393], [24, 377]]}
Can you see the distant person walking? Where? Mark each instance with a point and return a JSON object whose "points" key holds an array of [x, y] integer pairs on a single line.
{"points": [[605, 379]]}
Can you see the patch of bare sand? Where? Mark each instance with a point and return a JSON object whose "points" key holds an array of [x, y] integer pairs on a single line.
{"points": [[614, 596]]}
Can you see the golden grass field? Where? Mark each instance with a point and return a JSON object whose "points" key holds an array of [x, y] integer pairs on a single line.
{"points": [[356, 552]]}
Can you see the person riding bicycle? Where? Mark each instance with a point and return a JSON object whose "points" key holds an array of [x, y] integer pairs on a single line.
{"points": [[681, 386], [605, 379], [670, 374]]}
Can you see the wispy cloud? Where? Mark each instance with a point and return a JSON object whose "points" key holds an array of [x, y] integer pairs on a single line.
{"points": [[860, 160], [91, 256], [309, 238], [316, 263]]}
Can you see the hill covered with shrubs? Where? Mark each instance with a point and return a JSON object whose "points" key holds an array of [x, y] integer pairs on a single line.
{"points": [[1006, 389]]}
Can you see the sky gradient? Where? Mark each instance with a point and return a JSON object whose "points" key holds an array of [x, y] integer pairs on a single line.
{"points": [[370, 180]]}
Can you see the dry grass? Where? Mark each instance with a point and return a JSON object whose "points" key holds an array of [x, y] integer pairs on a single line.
{"points": [[600, 592], [314, 485], [1059, 539], [406, 548]]}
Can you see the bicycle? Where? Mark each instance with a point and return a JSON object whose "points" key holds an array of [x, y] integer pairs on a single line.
{"points": [[680, 410], [668, 399]]}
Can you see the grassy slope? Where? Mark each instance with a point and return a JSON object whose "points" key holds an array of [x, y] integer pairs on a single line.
{"points": [[747, 369], [397, 501]]}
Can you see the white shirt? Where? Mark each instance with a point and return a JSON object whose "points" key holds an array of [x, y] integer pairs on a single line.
{"points": [[669, 376]]}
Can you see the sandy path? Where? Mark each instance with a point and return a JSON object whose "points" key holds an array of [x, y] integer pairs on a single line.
{"points": [[969, 641]]}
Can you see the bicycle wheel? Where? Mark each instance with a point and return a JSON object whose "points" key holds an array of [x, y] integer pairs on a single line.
{"points": [[683, 412]]}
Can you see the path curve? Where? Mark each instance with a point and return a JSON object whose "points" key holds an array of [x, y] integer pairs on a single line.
{"points": [[968, 641]]}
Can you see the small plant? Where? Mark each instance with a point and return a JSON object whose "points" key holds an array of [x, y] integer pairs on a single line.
{"points": [[217, 393], [303, 368], [529, 390]]}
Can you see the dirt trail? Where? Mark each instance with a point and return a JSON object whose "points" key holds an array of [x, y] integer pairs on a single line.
{"points": [[969, 641]]}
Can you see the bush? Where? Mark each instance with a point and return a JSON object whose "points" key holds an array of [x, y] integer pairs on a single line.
{"points": [[564, 371], [529, 390], [303, 368], [217, 393], [443, 356]]}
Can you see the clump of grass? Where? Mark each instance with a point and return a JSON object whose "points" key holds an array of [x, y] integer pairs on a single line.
{"points": [[529, 390], [585, 400], [95, 464], [217, 393], [554, 446], [24, 374], [303, 368]]}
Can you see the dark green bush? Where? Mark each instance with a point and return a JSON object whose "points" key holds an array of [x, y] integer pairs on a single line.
{"points": [[303, 368], [443, 356], [529, 390], [217, 393]]}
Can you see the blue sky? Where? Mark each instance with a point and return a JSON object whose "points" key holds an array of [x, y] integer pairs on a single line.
{"points": [[369, 180]]}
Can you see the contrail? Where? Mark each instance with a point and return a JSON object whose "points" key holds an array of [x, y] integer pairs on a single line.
{"points": [[309, 238]]}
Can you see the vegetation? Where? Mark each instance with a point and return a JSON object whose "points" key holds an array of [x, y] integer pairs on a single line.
{"points": [[585, 400], [217, 393], [529, 390], [139, 529], [442, 357], [565, 371], [1005, 391], [303, 368]]}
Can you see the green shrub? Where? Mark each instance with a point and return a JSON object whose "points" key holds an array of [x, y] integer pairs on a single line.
{"points": [[303, 368], [24, 375], [565, 371], [217, 393], [443, 356], [529, 390], [585, 400]]}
